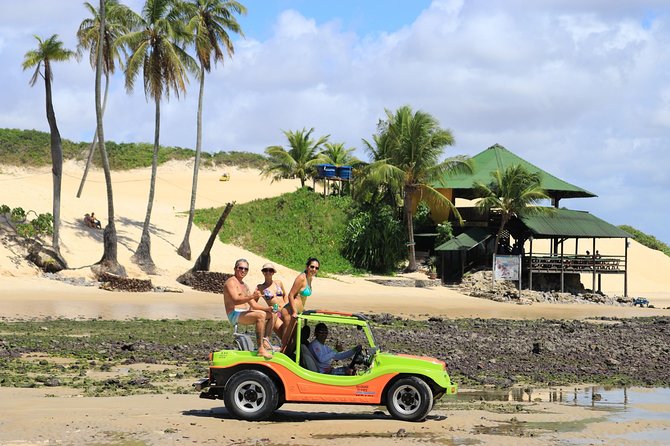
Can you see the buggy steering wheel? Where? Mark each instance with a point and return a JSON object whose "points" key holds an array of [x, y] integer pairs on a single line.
{"points": [[357, 352]]}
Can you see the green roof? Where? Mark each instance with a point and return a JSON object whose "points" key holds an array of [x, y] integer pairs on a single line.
{"points": [[467, 240], [497, 157], [571, 224]]}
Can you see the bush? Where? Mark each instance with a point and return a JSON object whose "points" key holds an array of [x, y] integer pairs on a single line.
{"points": [[375, 240], [445, 232], [289, 229], [647, 240]]}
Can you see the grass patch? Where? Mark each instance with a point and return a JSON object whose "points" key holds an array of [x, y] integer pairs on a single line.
{"points": [[289, 229], [647, 240], [32, 148]]}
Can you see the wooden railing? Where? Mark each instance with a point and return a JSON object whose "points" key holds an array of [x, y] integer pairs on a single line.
{"points": [[582, 264]]}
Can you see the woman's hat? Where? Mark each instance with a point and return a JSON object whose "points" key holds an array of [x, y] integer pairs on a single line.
{"points": [[269, 265]]}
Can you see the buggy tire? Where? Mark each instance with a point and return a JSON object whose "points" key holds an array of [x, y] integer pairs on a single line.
{"points": [[409, 399], [251, 395]]}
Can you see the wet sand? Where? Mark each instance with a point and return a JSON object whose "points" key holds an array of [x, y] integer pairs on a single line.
{"points": [[37, 416]]}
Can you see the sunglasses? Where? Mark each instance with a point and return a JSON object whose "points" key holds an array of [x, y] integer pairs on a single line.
{"points": [[268, 271], [313, 267], [242, 268]]}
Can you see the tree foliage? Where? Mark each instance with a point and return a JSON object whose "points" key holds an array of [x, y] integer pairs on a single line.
{"points": [[299, 160], [514, 192], [375, 240]]}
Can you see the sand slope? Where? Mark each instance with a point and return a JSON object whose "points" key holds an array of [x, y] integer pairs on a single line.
{"points": [[82, 247]]}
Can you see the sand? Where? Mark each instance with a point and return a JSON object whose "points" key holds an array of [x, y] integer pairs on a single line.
{"points": [[172, 419]]}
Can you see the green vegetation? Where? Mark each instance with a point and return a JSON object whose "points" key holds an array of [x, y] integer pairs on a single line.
{"points": [[376, 240], [289, 229], [41, 224], [647, 240], [31, 148]]}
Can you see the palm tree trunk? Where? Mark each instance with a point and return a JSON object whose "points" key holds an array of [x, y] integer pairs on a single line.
{"points": [[93, 145], [202, 263], [109, 261], [503, 221], [410, 231], [142, 255], [56, 158], [185, 247]]}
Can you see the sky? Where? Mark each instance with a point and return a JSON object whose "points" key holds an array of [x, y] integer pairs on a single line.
{"points": [[580, 88]]}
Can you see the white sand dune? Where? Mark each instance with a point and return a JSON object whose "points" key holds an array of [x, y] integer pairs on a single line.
{"points": [[25, 294]]}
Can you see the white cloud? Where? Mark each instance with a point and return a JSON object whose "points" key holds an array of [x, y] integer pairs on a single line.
{"points": [[579, 88]]}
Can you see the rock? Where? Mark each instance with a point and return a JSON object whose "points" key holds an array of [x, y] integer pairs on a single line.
{"points": [[46, 259], [112, 282]]}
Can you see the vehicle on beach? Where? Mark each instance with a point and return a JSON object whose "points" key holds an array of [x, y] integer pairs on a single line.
{"points": [[252, 387]]}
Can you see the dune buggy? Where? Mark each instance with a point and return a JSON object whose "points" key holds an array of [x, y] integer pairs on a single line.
{"points": [[252, 387]]}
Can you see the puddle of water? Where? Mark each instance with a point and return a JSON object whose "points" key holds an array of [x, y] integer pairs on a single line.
{"points": [[623, 405]]}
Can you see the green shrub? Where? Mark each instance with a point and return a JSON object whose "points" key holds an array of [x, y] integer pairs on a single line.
{"points": [[375, 240], [445, 232], [288, 229], [647, 240]]}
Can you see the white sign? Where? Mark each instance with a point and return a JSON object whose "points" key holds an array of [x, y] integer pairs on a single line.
{"points": [[506, 267]]}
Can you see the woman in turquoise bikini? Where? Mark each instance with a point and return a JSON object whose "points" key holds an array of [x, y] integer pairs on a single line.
{"points": [[297, 297]]}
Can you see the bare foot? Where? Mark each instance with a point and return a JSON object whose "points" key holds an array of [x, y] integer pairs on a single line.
{"points": [[268, 345], [264, 353]]}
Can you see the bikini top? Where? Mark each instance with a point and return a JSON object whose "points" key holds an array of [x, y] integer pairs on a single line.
{"points": [[279, 292], [307, 291]]}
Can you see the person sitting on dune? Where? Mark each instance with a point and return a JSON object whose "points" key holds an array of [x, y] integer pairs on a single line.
{"points": [[88, 222], [95, 223]]}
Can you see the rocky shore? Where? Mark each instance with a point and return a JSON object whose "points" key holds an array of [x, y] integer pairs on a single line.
{"points": [[478, 352], [541, 352]]}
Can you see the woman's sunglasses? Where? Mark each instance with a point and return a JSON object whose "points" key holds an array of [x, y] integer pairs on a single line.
{"points": [[268, 271], [314, 267]]}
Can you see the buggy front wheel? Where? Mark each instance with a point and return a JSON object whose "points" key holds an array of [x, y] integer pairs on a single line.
{"points": [[409, 399], [251, 395]]}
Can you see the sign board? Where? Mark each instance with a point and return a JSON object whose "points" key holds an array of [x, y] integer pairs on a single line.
{"points": [[506, 267]]}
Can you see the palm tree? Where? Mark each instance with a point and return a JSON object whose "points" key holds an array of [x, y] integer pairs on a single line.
{"points": [[118, 21], [406, 159], [338, 155], [109, 261], [299, 160], [209, 21], [164, 63], [513, 192], [48, 51]]}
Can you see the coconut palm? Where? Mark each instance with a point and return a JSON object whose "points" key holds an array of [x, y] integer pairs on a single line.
{"points": [[407, 159], [109, 261], [209, 21], [48, 51], [156, 52], [338, 155], [513, 192], [118, 21], [299, 160]]}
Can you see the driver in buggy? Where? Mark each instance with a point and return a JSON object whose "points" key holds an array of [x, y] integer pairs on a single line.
{"points": [[325, 355]]}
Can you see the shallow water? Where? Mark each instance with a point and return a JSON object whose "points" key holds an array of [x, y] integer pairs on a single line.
{"points": [[628, 405], [625, 406]]}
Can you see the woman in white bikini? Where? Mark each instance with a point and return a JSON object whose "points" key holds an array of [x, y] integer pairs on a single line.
{"points": [[275, 296]]}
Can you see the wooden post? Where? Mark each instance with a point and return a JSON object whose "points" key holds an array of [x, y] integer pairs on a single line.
{"points": [[562, 270], [530, 266], [593, 265], [625, 271]]}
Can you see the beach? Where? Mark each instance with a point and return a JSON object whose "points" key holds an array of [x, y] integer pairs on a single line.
{"points": [[68, 417]]}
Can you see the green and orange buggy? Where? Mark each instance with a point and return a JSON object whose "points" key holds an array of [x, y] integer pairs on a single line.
{"points": [[252, 387]]}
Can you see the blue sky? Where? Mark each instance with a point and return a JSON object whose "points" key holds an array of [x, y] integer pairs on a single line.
{"points": [[579, 88]]}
